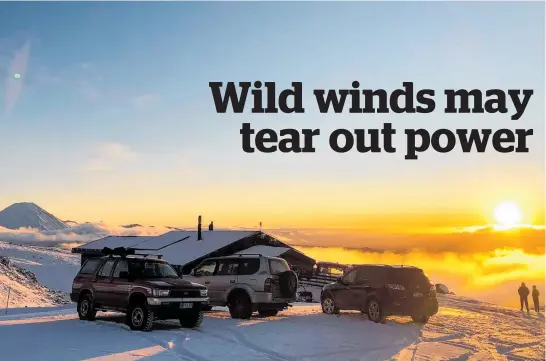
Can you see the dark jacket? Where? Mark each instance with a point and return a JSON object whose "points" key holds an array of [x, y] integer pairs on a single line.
{"points": [[535, 293], [523, 291]]}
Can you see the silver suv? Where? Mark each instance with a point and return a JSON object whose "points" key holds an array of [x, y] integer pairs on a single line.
{"points": [[247, 283]]}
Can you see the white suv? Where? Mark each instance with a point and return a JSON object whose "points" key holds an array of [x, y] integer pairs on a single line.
{"points": [[247, 283]]}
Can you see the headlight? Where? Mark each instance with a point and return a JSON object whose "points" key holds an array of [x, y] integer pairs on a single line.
{"points": [[160, 293], [204, 293]]}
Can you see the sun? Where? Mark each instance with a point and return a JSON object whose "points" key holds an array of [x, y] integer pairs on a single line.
{"points": [[508, 214]]}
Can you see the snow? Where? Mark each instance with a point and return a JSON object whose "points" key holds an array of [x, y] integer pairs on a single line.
{"points": [[19, 287], [186, 248], [113, 242], [265, 251], [463, 330], [54, 268], [29, 215], [182, 252]]}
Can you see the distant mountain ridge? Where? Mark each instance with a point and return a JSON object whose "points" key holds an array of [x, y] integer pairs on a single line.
{"points": [[30, 215]]}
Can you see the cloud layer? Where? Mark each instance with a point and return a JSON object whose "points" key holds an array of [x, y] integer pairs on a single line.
{"points": [[76, 234]]}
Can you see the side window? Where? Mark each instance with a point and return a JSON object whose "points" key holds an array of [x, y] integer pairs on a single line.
{"points": [[363, 275], [228, 267], [249, 266], [350, 277], [206, 269], [90, 266], [277, 266], [378, 276], [121, 266], [106, 269]]}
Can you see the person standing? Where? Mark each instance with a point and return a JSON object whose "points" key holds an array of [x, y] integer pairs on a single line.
{"points": [[535, 295], [523, 292]]}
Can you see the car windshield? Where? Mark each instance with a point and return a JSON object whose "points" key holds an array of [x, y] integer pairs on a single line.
{"points": [[150, 269]]}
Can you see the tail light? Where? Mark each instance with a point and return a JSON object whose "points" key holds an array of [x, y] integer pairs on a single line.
{"points": [[396, 287], [267, 285]]}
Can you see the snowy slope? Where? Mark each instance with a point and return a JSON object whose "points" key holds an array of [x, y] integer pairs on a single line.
{"points": [[22, 288], [54, 268], [463, 330], [29, 215]]}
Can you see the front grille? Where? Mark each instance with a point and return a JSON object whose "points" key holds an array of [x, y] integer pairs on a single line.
{"points": [[185, 293]]}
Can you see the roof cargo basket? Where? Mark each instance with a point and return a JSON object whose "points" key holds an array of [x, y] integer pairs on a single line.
{"points": [[124, 252]]}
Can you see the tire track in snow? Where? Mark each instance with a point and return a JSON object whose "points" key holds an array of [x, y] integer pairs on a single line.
{"points": [[243, 341]]}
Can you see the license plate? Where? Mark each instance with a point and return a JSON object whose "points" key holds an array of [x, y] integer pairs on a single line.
{"points": [[186, 305]]}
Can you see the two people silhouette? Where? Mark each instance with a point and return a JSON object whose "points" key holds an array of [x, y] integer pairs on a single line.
{"points": [[523, 292]]}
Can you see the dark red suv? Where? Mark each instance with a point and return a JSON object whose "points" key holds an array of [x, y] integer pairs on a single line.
{"points": [[144, 288]]}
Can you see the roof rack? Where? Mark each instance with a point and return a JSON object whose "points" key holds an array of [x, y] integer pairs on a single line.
{"points": [[124, 252]]}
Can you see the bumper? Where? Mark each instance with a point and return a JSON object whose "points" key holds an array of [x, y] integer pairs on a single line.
{"points": [[170, 308], [158, 301], [267, 297], [74, 297], [428, 307]]}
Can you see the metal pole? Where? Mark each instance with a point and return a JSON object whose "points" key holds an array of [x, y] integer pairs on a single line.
{"points": [[7, 302]]}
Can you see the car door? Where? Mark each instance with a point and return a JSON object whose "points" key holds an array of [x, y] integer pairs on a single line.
{"points": [[204, 273], [343, 291], [120, 285], [101, 283], [361, 287], [225, 276]]}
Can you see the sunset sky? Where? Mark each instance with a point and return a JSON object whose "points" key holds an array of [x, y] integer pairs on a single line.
{"points": [[112, 118]]}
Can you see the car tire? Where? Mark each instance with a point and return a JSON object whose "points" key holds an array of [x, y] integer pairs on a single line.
{"points": [[140, 318], [420, 319], [240, 306], [375, 312], [268, 313], [86, 308], [191, 319], [288, 284], [328, 305], [206, 308]]}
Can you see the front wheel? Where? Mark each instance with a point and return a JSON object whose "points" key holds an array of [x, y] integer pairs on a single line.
{"points": [[191, 319], [86, 308], [375, 311], [140, 318], [329, 306], [240, 306]]}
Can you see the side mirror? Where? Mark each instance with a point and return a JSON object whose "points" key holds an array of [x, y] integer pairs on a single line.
{"points": [[124, 275]]}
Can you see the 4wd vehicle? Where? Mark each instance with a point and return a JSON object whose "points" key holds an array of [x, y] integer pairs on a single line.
{"points": [[248, 283], [142, 287], [380, 291]]}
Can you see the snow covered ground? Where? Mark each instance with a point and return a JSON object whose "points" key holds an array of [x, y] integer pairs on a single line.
{"points": [[463, 330], [54, 267]]}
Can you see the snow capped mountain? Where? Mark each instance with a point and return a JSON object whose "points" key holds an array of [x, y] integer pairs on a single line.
{"points": [[29, 215]]}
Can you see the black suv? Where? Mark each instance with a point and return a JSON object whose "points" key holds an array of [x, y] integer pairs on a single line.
{"points": [[144, 288], [380, 291]]}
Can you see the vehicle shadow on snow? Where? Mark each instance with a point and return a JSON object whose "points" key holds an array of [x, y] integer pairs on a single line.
{"points": [[68, 339], [293, 335], [119, 319]]}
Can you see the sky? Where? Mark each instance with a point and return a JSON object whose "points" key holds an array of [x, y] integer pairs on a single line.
{"points": [[112, 118]]}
